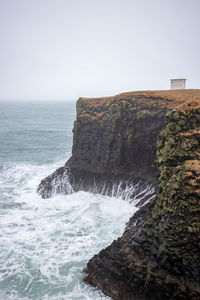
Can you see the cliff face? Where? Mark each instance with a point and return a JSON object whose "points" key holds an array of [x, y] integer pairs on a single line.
{"points": [[118, 139], [114, 140], [158, 256]]}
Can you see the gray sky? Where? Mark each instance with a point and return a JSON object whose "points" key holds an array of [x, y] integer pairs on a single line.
{"points": [[63, 49]]}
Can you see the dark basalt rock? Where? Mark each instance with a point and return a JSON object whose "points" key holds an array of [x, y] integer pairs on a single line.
{"points": [[124, 140], [66, 181], [109, 270], [158, 256], [113, 142]]}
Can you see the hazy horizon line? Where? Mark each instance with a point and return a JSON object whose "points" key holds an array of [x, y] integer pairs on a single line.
{"points": [[73, 99]]}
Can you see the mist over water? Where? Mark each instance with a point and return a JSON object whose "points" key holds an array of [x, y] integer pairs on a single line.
{"points": [[46, 243]]}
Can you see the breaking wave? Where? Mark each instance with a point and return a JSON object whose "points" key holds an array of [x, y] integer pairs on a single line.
{"points": [[46, 243]]}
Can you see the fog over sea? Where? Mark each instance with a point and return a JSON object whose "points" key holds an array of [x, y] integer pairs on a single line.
{"points": [[46, 243]]}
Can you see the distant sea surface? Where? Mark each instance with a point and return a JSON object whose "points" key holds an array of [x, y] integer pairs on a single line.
{"points": [[46, 243]]}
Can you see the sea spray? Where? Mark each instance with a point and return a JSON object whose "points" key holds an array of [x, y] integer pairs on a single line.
{"points": [[46, 243]]}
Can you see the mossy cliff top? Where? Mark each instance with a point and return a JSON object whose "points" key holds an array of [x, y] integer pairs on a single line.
{"points": [[164, 98], [104, 110], [177, 96]]}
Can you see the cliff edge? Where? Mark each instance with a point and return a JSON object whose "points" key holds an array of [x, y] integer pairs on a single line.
{"points": [[142, 136]]}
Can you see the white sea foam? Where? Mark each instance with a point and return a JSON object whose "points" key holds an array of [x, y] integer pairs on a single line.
{"points": [[46, 243]]}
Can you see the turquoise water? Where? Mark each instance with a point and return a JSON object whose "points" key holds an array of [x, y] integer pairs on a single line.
{"points": [[45, 244], [35, 132]]}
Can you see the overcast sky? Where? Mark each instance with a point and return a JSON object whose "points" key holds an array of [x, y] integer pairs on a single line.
{"points": [[63, 49]]}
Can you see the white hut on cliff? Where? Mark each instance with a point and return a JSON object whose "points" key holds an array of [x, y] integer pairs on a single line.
{"points": [[178, 84]]}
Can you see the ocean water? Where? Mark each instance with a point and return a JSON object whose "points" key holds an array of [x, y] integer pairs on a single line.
{"points": [[46, 243]]}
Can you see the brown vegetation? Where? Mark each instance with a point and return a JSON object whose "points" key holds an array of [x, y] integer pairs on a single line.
{"points": [[169, 98]]}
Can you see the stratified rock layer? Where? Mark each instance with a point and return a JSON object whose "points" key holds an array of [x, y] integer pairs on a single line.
{"points": [[158, 256]]}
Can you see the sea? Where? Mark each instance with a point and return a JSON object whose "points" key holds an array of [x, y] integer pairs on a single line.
{"points": [[46, 243]]}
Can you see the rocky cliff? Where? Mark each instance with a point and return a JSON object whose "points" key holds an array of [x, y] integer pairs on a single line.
{"points": [[158, 256], [114, 141], [127, 138]]}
